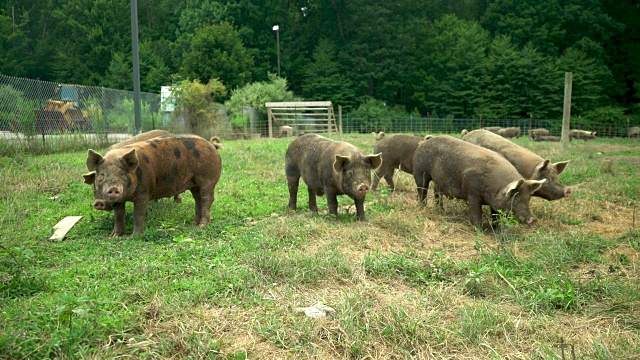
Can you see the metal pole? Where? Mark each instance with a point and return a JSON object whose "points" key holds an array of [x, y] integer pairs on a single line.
{"points": [[566, 111], [278, 44], [136, 65]]}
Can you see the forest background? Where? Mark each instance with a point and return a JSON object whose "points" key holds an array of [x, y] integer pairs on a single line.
{"points": [[461, 58]]}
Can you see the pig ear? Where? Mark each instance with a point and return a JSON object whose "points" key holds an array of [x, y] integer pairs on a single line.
{"points": [[339, 163], [130, 160], [535, 185], [93, 160], [375, 160], [513, 188], [541, 168], [89, 178], [594, 133], [560, 166]]}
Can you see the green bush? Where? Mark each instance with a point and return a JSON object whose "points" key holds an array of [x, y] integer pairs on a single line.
{"points": [[16, 113], [257, 94]]}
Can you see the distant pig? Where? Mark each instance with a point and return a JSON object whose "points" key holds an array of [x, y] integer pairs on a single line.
{"points": [[528, 164], [475, 174], [156, 168], [493, 129], [634, 132], [510, 132], [581, 134], [534, 133], [547, 138], [98, 201], [397, 153], [329, 167]]}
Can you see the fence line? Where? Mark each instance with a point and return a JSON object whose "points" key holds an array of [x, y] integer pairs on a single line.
{"points": [[41, 116]]}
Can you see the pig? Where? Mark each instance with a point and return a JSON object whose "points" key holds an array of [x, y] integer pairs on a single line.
{"points": [[98, 202], [510, 132], [397, 153], [469, 172], [160, 167], [286, 131], [329, 167], [142, 136], [528, 164], [634, 132], [493, 129], [581, 134], [547, 138], [215, 140], [534, 133]]}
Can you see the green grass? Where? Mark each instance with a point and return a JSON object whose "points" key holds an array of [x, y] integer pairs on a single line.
{"points": [[411, 281]]}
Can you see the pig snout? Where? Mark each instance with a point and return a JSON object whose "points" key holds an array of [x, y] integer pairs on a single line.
{"points": [[362, 190], [99, 205], [567, 192], [114, 193]]}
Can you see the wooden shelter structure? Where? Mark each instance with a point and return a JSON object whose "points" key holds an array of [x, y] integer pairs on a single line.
{"points": [[303, 117]]}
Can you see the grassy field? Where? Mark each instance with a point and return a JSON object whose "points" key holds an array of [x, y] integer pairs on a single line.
{"points": [[411, 281]]}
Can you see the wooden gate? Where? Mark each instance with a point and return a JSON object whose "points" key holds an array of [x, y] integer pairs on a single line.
{"points": [[303, 117]]}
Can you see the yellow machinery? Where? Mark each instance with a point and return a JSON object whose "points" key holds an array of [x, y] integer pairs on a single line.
{"points": [[64, 115]]}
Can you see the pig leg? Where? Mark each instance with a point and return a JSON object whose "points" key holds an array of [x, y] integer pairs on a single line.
{"points": [[313, 204], [376, 180], [118, 212], [475, 211], [332, 202], [204, 197], [139, 215], [195, 191], [207, 199], [389, 178], [293, 182], [360, 209], [422, 183]]}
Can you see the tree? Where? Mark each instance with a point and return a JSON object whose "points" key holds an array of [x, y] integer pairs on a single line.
{"points": [[324, 79], [120, 73], [216, 51], [15, 47], [195, 101], [257, 94], [450, 83], [512, 80]]}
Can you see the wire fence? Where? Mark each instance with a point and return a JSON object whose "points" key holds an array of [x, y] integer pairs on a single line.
{"points": [[43, 116]]}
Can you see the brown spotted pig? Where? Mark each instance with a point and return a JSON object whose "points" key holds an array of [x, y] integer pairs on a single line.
{"points": [[528, 164], [160, 167], [329, 167], [581, 134], [98, 202], [469, 172], [397, 153]]}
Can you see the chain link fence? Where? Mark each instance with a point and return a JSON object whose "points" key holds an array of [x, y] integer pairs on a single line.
{"points": [[42, 116]]}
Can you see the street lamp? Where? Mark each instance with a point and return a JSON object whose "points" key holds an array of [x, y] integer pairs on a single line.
{"points": [[276, 28]]}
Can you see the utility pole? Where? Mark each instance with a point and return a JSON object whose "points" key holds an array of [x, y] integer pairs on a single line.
{"points": [[136, 66], [276, 28], [566, 110]]}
